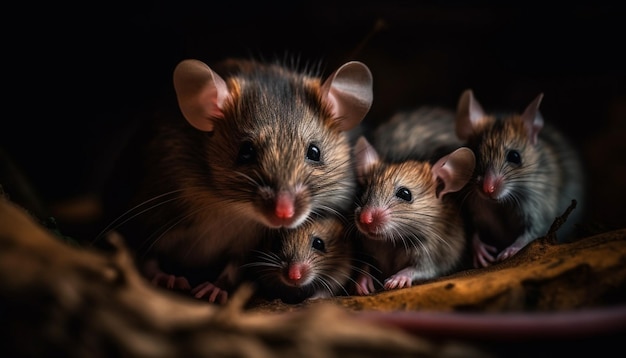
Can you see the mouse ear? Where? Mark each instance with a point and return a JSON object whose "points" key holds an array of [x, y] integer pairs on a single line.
{"points": [[469, 112], [349, 93], [533, 120], [200, 93], [365, 157], [454, 170]]}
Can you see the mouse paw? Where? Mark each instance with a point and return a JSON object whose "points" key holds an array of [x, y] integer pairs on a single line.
{"points": [[398, 280], [171, 282], [508, 252], [211, 292], [484, 255], [364, 285]]}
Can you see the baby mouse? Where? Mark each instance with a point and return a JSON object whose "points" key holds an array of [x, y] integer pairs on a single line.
{"points": [[408, 216], [314, 260], [527, 174], [258, 145]]}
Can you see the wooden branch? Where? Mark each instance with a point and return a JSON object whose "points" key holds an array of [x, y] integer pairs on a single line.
{"points": [[542, 277]]}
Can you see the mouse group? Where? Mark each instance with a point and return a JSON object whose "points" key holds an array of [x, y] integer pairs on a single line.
{"points": [[271, 174]]}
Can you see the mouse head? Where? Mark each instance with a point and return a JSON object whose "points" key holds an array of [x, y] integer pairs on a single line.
{"points": [[451, 171], [277, 143], [471, 117]]}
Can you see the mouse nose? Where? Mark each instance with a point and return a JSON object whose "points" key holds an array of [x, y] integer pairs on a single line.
{"points": [[492, 185], [366, 217], [284, 208], [372, 219], [296, 273]]}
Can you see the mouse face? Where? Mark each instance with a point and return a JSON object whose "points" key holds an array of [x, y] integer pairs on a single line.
{"points": [[281, 163], [398, 201], [311, 261], [507, 147], [278, 148], [505, 158]]}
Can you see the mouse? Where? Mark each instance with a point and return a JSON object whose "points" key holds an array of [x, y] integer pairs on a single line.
{"points": [[408, 216], [313, 261], [251, 145], [527, 174]]}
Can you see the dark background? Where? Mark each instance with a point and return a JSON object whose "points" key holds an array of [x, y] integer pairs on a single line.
{"points": [[77, 76]]}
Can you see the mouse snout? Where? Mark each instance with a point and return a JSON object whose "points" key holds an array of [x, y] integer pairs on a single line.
{"points": [[296, 274], [372, 220], [492, 185], [366, 217], [285, 209], [285, 206]]}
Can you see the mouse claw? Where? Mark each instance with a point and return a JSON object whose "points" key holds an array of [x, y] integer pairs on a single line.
{"points": [[398, 281], [213, 293], [483, 253], [364, 285], [508, 252]]}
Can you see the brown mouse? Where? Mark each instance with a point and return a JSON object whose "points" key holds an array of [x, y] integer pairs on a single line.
{"points": [[527, 174], [314, 260], [408, 217], [258, 145]]}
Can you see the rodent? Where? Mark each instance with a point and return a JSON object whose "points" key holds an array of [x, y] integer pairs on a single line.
{"points": [[409, 219], [527, 174], [259, 145], [314, 260]]}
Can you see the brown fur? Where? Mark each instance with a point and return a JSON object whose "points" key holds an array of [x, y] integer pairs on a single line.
{"points": [[423, 235], [327, 263], [198, 206]]}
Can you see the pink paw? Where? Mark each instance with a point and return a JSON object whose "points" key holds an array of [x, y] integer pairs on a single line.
{"points": [[365, 285], [484, 255], [211, 292], [508, 252], [398, 281]]}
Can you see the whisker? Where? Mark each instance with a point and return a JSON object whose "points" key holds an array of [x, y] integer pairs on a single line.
{"points": [[115, 223]]}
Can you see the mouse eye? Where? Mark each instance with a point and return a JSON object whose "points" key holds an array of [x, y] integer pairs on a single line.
{"points": [[404, 194], [313, 153], [247, 153], [513, 157], [318, 244]]}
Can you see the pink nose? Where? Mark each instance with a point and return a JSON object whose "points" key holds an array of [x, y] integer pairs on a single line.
{"points": [[284, 206], [295, 271], [491, 184], [366, 217], [489, 188]]}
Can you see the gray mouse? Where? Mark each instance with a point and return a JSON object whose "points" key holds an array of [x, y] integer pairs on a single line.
{"points": [[527, 174], [258, 145]]}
